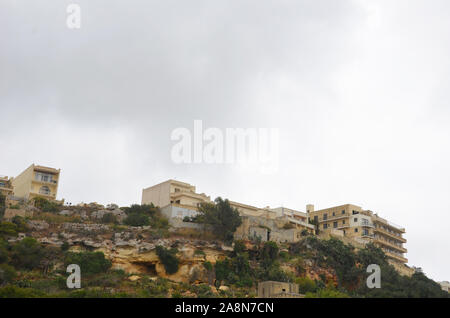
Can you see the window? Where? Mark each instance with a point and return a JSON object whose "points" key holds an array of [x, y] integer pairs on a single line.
{"points": [[355, 219], [316, 219], [334, 214], [178, 201], [44, 190], [325, 226], [335, 224], [356, 230], [325, 216], [343, 222], [343, 211], [177, 190], [45, 177], [365, 232]]}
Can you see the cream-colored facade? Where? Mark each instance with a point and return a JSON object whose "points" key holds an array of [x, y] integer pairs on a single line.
{"points": [[363, 226], [272, 289], [173, 192], [283, 224], [6, 188], [37, 181], [445, 286]]}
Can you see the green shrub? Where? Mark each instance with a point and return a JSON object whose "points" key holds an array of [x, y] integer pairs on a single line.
{"points": [[326, 293], [27, 254], [109, 218], [8, 229], [306, 285], [7, 274], [223, 218], [89, 262], [65, 246], [46, 206], [168, 258], [10, 291], [136, 219]]}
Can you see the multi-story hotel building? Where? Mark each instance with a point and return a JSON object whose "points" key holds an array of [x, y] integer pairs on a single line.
{"points": [[363, 226], [36, 181], [179, 200]]}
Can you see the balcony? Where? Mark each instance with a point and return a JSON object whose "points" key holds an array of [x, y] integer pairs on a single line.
{"points": [[336, 217], [389, 244], [384, 222], [51, 182], [396, 257], [390, 234]]}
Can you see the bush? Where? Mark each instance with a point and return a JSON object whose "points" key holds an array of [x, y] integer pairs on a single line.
{"points": [[65, 246], [136, 219], [168, 258], [27, 254], [269, 254], [109, 218], [20, 223], [8, 229], [89, 262], [306, 285], [223, 218], [7, 274], [17, 292], [46, 205], [327, 293]]}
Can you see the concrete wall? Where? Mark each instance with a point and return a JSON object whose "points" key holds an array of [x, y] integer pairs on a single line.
{"points": [[11, 213], [159, 195], [272, 289], [22, 183]]}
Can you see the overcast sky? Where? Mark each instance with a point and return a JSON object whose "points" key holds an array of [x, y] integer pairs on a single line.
{"points": [[358, 90]]}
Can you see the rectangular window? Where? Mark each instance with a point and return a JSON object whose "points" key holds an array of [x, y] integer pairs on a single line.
{"points": [[335, 224], [356, 230], [355, 219], [325, 226], [343, 211], [343, 221], [325, 216], [334, 214]]}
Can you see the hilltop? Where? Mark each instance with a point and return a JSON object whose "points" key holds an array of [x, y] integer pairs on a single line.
{"points": [[134, 252]]}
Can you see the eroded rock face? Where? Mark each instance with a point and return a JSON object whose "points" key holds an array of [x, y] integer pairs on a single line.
{"points": [[136, 261], [38, 225]]}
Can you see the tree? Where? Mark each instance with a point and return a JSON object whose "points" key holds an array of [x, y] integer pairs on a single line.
{"points": [[137, 219], [89, 262], [168, 258], [27, 254], [223, 218], [7, 274], [269, 254]]}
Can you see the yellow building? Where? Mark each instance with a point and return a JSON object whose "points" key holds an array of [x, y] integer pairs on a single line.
{"points": [[173, 192], [37, 181], [5, 186], [363, 226]]}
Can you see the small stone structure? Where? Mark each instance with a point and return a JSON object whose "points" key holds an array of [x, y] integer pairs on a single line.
{"points": [[272, 289]]}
